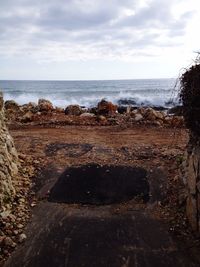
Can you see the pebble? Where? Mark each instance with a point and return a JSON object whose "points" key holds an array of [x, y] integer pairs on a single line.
{"points": [[20, 226], [15, 232], [9, 242], [2, 239], [22, 238]]}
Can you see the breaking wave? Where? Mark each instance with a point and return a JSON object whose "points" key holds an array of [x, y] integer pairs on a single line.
{"points": [[157, 92], [122, 99]]}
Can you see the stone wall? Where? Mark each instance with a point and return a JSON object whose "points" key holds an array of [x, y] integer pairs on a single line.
{"points": [[8, 161], [192, 175]]}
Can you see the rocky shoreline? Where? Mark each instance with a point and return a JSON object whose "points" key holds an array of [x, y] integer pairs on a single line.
{"points": [[105, 114]]}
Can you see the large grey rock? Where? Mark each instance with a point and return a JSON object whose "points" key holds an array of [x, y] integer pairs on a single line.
{"points": [[75, 110], [12, 105], [45, 105]]}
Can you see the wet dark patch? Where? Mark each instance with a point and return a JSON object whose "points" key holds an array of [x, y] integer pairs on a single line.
{"points": [[70, 150], [100, 185]]}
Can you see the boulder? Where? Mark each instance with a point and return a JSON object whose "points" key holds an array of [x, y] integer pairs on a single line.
{"points": [[11, 105], [177, 121], [45, 105], [31, 106], [75, 110], [106, 108], [87, 115], [27, 117], [138, 117], [150, 114], [59, 110], [153, 115], [101, 118], [168, 120], [93, 110], [160, 115], [124, 109], [141, 110]]}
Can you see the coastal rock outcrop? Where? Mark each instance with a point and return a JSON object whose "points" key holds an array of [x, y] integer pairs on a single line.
{"points": [[44, 112], [8, 161], [11, 105], [106, 108], [45, 105], [30, 107], [75, 110]]}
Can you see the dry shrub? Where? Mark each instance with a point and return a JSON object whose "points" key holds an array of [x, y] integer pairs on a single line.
{"points": [[190, 97]]}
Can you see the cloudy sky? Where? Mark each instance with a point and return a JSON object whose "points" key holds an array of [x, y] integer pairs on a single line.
{"points": [[96, 39]]}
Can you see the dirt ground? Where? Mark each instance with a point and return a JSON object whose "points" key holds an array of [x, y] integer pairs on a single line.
{"points": [[81, 144], [131, 233]]}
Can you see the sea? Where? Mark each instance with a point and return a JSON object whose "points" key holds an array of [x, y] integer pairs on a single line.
{"points": [[137, 92]]}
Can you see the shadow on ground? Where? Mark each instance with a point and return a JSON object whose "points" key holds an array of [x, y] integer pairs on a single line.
{"points": [[100, 185]]}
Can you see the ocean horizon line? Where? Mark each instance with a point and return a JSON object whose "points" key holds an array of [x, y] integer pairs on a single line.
{"points": [[86, 80]]}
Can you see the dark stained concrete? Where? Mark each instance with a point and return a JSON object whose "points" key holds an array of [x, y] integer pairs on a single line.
{"points": [[99, 185]]}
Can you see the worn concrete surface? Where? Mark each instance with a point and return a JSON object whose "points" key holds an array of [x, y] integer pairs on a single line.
{"points": [[117, 235]]}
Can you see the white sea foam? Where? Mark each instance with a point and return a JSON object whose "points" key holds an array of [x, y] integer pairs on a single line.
{"points": [[93, 99]]}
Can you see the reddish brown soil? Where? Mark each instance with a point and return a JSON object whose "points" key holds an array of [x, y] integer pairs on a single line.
{"points": [[138, 144]]}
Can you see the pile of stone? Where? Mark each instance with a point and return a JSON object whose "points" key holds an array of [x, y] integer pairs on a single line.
{"points": [[157, 118], [105, 113], [14, 189], [8, 161]]}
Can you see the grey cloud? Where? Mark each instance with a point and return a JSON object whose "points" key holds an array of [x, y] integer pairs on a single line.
{"points": [[104, 26], [156, 15], [73, 19]]}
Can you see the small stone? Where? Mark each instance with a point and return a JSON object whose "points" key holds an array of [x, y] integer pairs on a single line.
{"points": [[20, 226], [22, 238], [8, 242], [15, 232], [4, 214], [28, 117], [138, 117], [87, 115], [22, 200], [101, 118], [2, 239]]}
